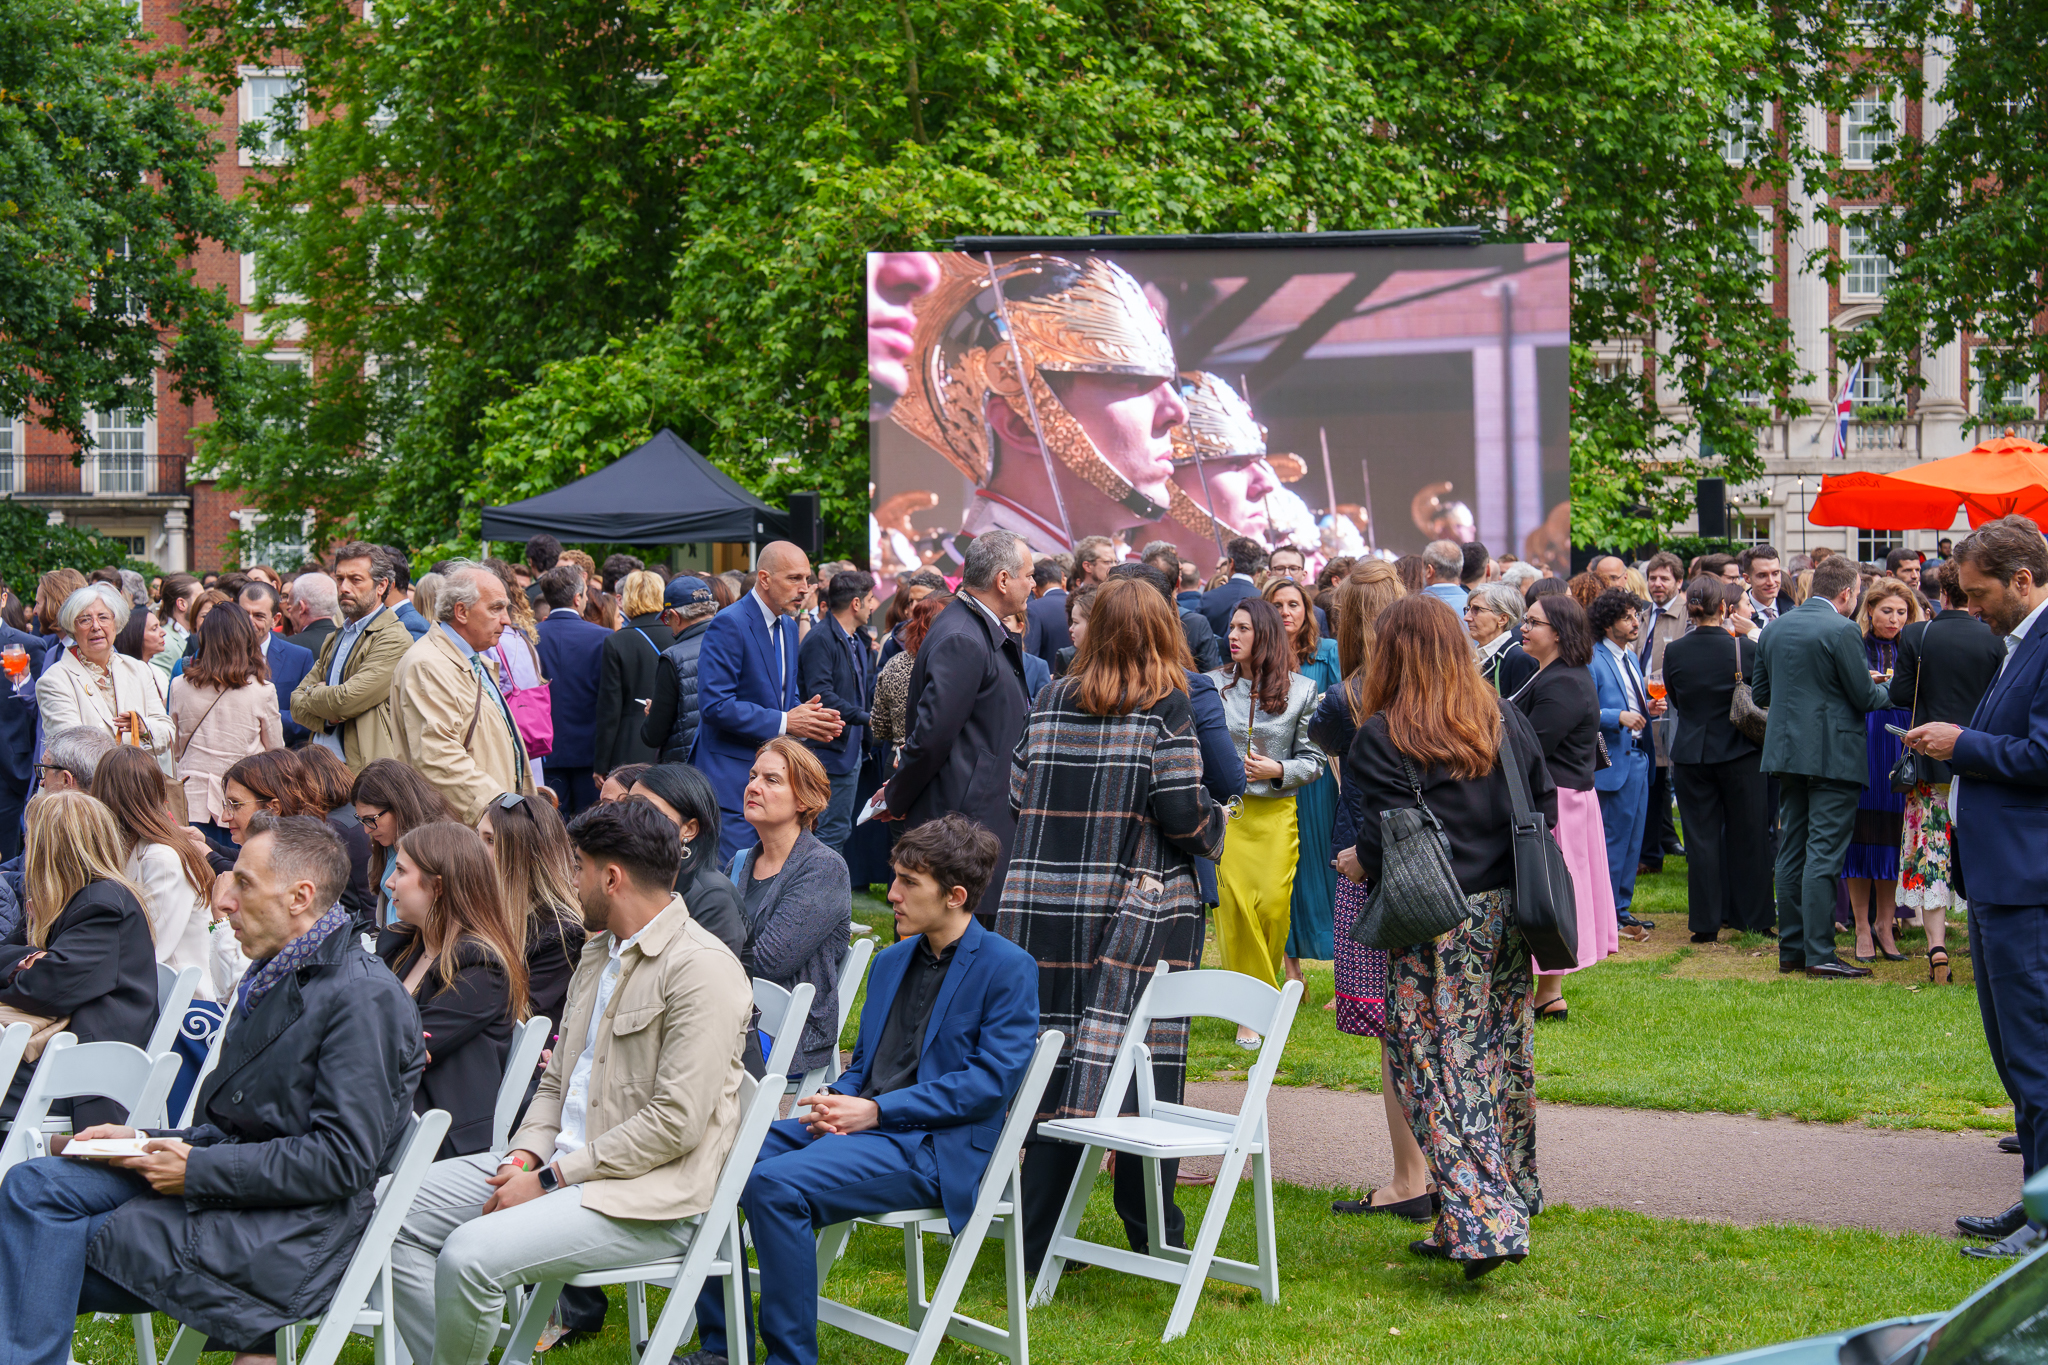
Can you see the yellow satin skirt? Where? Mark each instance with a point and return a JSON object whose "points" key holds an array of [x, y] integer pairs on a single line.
{"points": [[1255, 887]]}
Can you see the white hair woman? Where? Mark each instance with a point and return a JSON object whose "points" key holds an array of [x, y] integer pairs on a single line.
{"points": [[92, 683]]}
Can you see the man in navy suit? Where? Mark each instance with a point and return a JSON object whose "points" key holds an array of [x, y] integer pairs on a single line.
{"points": [[288, 662], [833, 664], [399, 598], [571, 659], [949, 1026], [2000, 805], [1045, 615], [747, 676], [1246, 558], [17, 738]]}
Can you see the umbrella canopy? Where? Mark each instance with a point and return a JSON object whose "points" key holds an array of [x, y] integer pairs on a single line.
{"points": [[664, 493], [2005, 475]]}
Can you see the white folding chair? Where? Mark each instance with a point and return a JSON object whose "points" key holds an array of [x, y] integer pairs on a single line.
{"points": [[69, 1069], [362, 1301], [930, 1321], [174, 991], [206, 1067], [783, 1015], [714, 1250], [527, 1041], [851, 973], [13, 1046], [1162, 1132]]}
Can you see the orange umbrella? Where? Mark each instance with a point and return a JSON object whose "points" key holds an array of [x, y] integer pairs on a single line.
{"points": [[2004, 475], [1879, 502]]}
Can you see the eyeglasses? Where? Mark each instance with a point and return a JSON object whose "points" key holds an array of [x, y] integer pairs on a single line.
{"points": [[231, 804], [370, 821]]}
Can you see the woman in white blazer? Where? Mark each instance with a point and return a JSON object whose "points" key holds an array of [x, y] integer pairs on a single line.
{"points": [[93, 684]]}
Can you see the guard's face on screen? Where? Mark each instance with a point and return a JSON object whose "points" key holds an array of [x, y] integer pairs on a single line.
{"points": [[1237, 490], [894, 279], [1130, 419]]}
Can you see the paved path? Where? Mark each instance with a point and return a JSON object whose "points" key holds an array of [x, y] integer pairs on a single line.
{"points": [[1720, 1167]]}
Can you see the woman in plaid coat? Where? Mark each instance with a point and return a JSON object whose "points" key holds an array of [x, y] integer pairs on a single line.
{"points": [[1111, 812]]}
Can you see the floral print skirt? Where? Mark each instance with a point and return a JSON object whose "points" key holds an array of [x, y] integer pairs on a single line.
{"points": [[1464, 1066], [1924, 851]]}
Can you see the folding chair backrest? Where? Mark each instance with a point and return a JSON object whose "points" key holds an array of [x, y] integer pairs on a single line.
{"points": [[1002, 1161], [394, 1201], [69, 1069], [760, 1101], [13, 1043], [783, 1015], [206, 1067], [174, 991], [851, 974], [527, 1041], [1211, 994]]}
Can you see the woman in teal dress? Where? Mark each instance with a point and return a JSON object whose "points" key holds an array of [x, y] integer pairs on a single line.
{"points": [[1311, 930]]}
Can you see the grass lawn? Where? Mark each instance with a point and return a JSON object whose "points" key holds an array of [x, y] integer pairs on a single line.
{"points": [[1667, 1025], [1600, 1286]]}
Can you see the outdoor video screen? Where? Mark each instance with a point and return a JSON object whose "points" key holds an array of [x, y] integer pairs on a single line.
{"points": [[1346, 400]]}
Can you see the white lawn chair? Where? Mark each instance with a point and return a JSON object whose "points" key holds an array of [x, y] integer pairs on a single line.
{"points": [[13, 1046], [851, 973], [1162, 1132], [527, 1042], [362, 1301], [174, 991], [69, 1069], [714, 1250], [783, 1015], [206, 1067], [932, 1320]]}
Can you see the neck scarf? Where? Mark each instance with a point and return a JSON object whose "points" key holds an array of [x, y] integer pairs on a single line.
{"points": [[265, 976]]}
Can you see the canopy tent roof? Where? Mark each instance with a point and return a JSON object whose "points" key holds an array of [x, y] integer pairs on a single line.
{"points": [[2001, 476], [664, 493]]}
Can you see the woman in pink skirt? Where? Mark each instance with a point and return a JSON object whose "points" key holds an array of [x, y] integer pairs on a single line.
{"points": [[1564, 709]]}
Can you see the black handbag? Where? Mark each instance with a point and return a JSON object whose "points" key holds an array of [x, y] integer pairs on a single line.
{"points": [[1417, 897], [1912, 769], [1546, 904]]}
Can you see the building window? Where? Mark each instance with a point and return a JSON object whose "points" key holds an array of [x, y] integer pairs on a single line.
{"points": [[111, 293], [1867, 127], [1866, 272], [1747, 529], [10, 447], [137, 545], [269, 112], [1746, 133], [2001, 402], [1873, 546], [1871, 388], [121, 451]]}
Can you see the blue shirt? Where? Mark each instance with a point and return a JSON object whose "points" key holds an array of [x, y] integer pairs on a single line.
{"points": [[1451, 593], [345, 641]]}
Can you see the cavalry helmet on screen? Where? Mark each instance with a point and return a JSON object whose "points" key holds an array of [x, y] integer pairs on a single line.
{"points": [[1221, 430], [1083, 316]]}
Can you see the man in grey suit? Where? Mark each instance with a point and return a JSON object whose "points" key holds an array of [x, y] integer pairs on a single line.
{"points": [[1811, 673]]}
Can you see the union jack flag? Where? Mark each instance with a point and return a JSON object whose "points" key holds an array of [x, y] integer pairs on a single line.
{"points": [[1845, 408]]}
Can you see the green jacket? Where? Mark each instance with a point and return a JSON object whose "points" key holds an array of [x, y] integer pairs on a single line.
{"points": [[1811, 673], [359, 707]]}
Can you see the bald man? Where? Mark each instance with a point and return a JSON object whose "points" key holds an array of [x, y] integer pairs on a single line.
{"points": [[747, 688]]}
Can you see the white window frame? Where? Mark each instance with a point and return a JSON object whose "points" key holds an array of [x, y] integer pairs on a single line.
{"points": [[1749, 130], [94, 479], [245, 114], [2029, 394], [1873, 102], [15, 433], [1872, 388], [1857, 281], [1762, 232], [1873, 546]]}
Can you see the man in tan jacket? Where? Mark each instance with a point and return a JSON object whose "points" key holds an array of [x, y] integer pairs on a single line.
{"points": [[451, 721], [634, 1117], [345, 698]]}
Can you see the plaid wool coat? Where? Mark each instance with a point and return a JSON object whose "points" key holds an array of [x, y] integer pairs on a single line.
{"points": [[1110, 813]]}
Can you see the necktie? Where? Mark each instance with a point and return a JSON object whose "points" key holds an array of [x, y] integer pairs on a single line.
{"points": [[781, 662], [1649, 636], [476, 662], [1635, 682]]}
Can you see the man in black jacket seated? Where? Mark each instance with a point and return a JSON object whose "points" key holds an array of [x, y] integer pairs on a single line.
{"points": [[245, 1222]]}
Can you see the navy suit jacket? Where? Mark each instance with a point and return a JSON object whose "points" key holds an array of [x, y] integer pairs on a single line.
{"points": [[1222, 769], [572, 660], [288, 663], [1045, 625], [1615, 698], [1219, 602], [409, 616], [828, 670], [18, 721], [2002, 758], [739, 706], [977, 1044]]}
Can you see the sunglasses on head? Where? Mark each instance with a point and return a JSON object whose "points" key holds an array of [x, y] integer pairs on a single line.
{"points": [[510, 800]]}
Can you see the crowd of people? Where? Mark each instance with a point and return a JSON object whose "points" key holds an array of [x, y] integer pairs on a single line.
{"points": [[435, 810]]}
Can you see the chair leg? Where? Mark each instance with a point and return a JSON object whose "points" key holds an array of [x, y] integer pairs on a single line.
{"points": [[738, 1323], [1155, 1209], [530, 1321], [1269, 1245], [636, 1318], [1014, 1287], [913, 1276], [1078, 1194], [186, 1344], [1204, 1250], [288, 1345], [932, 1322], [145, 1339]]}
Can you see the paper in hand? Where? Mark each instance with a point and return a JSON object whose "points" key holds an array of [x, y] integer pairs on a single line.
{"points": [[100, 1149], [875, 806]]}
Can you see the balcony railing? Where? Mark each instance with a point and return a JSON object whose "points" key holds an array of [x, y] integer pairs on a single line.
{"points": [[1884, 438], [61, 476]]}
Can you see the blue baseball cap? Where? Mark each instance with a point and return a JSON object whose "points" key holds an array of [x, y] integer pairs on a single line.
{"points": [[685, 591]]}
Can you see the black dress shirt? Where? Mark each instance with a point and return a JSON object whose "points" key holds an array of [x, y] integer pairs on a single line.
{"points": [[902, 1040]]}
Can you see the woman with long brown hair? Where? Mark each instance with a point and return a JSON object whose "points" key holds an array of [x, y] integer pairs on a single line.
{"points": [[225, 709], [1463, 1065], [454, 948], [391, 798], [537, 886], [1111, 813], [1312, 904], [1268, 705], [176, 879]]}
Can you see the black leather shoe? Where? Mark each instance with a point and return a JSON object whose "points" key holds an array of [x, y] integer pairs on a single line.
{"points": [[1429, 1249], [1840, 970], [2022, 1243], [1789, 965], [1486, 1265], [1706, 938], [1997, 1225], [1625, 917], [2010, 1144], [1674, 850], [1420, 1209]]}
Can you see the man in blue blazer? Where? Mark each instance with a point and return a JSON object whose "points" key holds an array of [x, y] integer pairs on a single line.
{"points": [[1045, 615], [1247, 558], [747, 685], [948, 1028], [17, 738], [2000, 801], [1626, 709], [289, 663], [572, 660], [833, 664]]}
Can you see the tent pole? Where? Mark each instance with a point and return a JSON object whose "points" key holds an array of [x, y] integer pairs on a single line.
{"points": [[753, 554]]}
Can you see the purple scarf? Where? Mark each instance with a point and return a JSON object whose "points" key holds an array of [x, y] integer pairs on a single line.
{"points": [[264, 976]]}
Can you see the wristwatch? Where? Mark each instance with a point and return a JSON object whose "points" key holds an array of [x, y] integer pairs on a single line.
{"points": [[549, 1181]]}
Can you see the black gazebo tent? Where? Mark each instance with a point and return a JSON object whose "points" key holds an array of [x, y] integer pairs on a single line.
{"points": [[664, 493]]}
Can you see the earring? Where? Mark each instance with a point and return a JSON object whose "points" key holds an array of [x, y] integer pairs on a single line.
{"points": [[686, 853]]}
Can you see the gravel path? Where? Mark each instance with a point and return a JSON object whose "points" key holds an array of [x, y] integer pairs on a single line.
{"points": [[1719, 1167]]}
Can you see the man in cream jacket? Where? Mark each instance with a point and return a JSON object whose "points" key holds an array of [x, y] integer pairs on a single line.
{"points": [[635, 1114]]}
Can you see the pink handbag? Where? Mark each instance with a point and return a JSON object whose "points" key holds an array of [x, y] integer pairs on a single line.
{"points": [[532, 710]]}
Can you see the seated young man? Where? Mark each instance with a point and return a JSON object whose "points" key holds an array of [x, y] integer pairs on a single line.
{"points": [[632, 1121], [948, 1028], [245, 1222]]}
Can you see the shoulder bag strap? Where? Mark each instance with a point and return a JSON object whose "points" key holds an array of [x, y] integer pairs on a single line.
{"points": [[1518, 781], [185, 741], [1415, 787], [476, 709], [1738, 658], [648, 638], [1919, 672]]}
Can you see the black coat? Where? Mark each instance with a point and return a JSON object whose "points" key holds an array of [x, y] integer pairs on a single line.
{"points": [[1699, 676], [967, 706], [356, 897], [1968, 656], [1563, 708], [308, 1106], [467, 1026], [1202, 642], [714, 902], [554, 946], [840, 675], [671, 722], [99, 967], [630, 665]]}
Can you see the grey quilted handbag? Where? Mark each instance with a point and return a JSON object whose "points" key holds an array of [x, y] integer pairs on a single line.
{"points": [[1417, 897], [1743, 712]]}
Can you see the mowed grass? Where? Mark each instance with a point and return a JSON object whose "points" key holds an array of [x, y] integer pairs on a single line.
{"points": [[1599, 1287]]}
